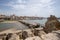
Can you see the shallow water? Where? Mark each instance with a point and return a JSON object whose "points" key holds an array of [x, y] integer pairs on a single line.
{"points": [[36, 21], [18, 25]]}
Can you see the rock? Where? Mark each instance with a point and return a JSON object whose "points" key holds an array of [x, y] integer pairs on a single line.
{"points": [[8, 36], [24, 35], [2, 35], [35, 32], [14, 37], [50, 36], [51, 24], [33, 38]]}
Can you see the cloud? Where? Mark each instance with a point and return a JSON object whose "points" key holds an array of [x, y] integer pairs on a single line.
{"points": [[33, 7]]}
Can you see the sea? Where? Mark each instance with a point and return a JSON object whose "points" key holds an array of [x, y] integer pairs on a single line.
{"points": [[19, 26]]}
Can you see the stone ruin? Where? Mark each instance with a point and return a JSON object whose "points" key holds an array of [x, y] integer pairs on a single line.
{"points": [[51, 24]]}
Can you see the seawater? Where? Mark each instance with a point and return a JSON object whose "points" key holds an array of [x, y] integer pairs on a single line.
{"points": [[17, 25]]}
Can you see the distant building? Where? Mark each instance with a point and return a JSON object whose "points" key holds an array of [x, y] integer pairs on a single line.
{"points": [[4, 17], [13, 17]]}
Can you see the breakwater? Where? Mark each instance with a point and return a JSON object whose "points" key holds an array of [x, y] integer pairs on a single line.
{"points": [[30, 25]]}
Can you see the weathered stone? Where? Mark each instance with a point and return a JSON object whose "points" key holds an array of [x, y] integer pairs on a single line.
{"points": [[14, 37], [24, 35], [51, 24], [8, 36], [35, 32]]}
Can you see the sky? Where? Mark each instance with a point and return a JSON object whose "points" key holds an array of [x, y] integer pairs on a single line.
{"points": [[41, 8]]}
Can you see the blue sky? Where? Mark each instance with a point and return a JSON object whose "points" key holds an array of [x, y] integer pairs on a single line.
{"points": [[30, 7]]}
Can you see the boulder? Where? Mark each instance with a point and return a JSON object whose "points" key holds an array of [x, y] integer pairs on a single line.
{"points": [[24, 35], [52, 24]]}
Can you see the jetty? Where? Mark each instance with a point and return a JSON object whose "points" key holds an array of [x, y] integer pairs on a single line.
{"points": [[30, 25]]}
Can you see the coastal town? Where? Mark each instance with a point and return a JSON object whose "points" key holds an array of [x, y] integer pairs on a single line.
{"points": [[29, 19], [14, 17]]}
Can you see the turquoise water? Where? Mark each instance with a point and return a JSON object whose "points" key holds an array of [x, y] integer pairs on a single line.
{"points": [[36, 21]]}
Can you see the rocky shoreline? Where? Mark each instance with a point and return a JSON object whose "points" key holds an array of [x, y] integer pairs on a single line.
{"points": [[51, 31], [29, 34]]}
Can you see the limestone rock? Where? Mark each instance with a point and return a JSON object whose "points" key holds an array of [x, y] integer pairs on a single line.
{"points": [[51, 24], [33, 38], [50, 36]]}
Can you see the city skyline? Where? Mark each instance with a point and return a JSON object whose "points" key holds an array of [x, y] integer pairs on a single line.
{"points": [[43, 8]]}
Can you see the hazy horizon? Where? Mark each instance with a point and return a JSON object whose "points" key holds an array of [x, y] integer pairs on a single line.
{"points": [[41, 8]]}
